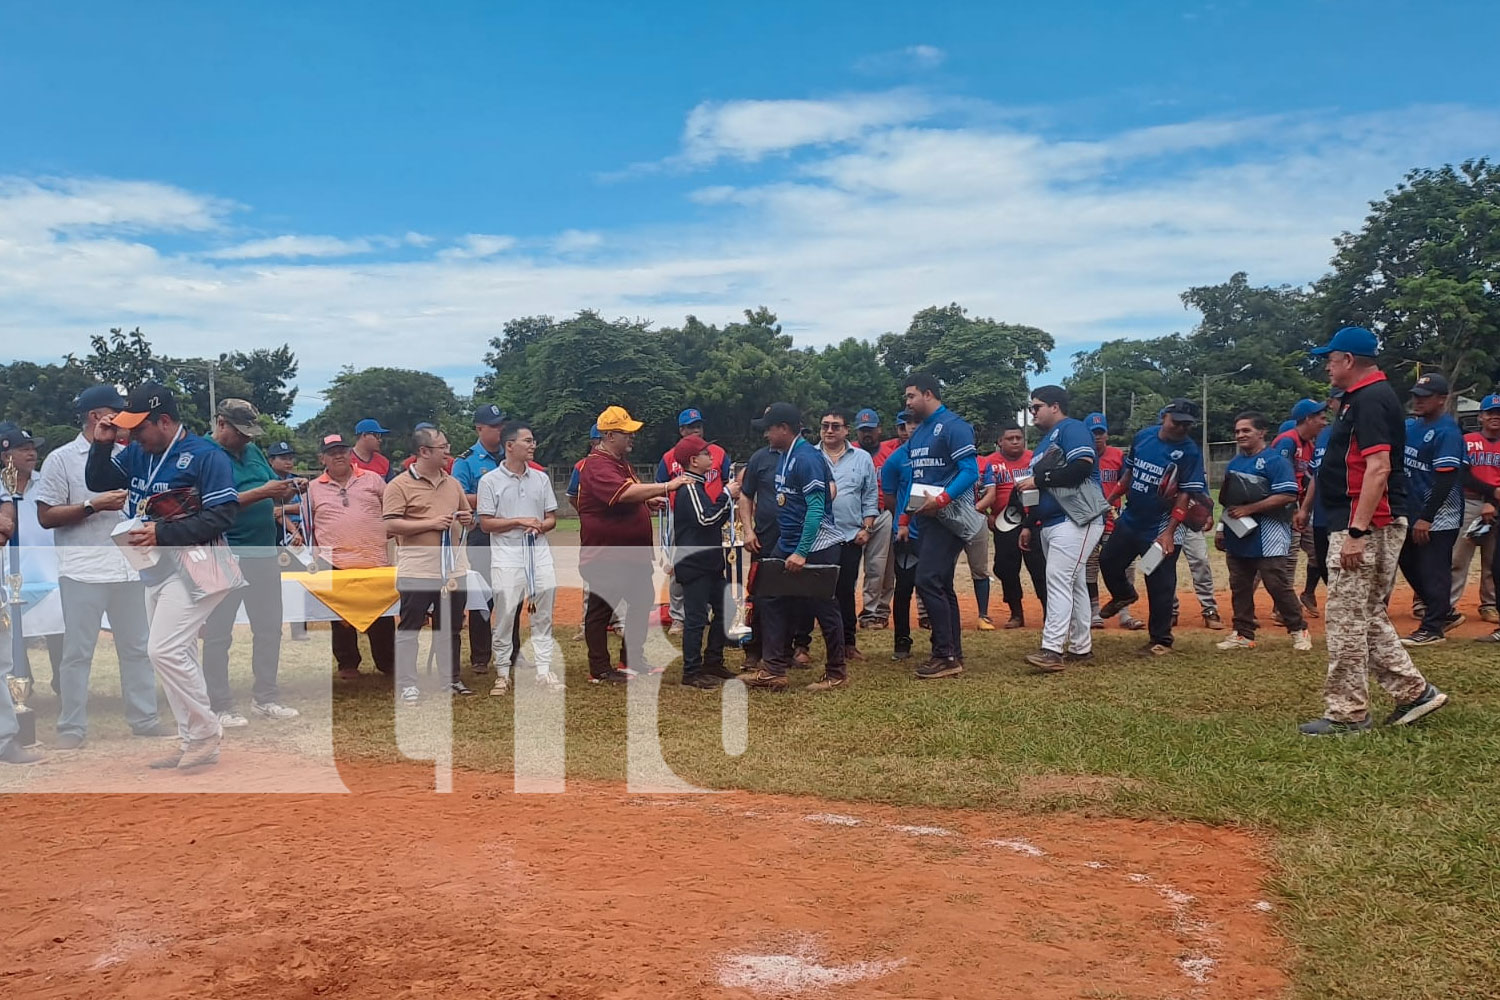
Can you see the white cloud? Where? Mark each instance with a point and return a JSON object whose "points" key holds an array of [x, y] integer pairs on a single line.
{"points": [[1087, 239], [750, 130], [292, 246], [913, 58]]}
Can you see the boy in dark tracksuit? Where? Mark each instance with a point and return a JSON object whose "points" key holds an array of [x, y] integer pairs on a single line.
{"points": [[698, 564]]}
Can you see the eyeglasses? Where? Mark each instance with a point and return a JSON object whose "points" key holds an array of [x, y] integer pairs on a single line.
{"points": [[1034, 407], [831, 426], [344, 496]]}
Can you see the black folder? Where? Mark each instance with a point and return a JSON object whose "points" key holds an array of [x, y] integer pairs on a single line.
{"points": [[773, 580]]}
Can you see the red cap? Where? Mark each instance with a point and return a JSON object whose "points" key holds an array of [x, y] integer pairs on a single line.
{"points": [[687, 448]]}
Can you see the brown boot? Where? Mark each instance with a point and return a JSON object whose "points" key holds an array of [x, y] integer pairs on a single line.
{"points": [[170, 760], [764, 680], [1211, 620], [829, 683]]}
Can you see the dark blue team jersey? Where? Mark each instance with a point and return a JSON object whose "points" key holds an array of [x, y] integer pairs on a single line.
{"points": [[942, 453], [190, 461], [1433, 448], [1319, 512], [1148, 463], [895, 481], [803, 473], [1272, 536], [1071, 440]]}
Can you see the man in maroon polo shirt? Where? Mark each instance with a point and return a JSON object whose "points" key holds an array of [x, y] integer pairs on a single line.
{"points": [[616, 545]]}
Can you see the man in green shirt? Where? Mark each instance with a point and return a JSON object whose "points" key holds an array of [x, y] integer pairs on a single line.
{"points": [[253, 537]]}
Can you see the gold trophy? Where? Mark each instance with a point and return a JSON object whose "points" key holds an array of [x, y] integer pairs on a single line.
{"points": [[20, 688]]}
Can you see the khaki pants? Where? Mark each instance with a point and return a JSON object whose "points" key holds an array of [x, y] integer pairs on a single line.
{"points": [[880, 571], [1361, 639], [1463, 555], [173, 648]]}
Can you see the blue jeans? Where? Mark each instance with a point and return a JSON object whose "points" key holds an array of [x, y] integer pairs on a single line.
{"points": [[1125, 545], [937, 557]]}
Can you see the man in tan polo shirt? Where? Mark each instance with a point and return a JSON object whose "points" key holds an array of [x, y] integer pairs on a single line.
{"points": [[426, 511]]}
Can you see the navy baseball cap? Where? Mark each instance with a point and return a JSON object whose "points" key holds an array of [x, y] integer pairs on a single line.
{"points": [[12, 436], [904, 417], [1096, 422], [1286, 425], [866, 419], [779, 413], [1307, 408], [97, 397], [1351, 340], [280, 448], [368, 426], [1490, 402], [489, 415], [594, 434], [1433, 384], [691, 415], [1181, 409]]}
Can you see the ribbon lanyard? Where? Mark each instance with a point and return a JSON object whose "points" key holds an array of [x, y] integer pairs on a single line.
{"points": [[304, 505], [152, 471], [530, 573]]}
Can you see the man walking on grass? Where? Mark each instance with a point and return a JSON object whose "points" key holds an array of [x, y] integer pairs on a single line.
{"points": [[1259, 494], [1434, 459], [1362, 491]]}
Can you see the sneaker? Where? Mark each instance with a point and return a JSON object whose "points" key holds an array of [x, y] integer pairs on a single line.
{"points": [[985, 625], [828, 683], [701, 681], [199, 753], [1489, 615], [411, 695], [1155, 649], [1492, 637], [1131, 624], [764, 680], [1327, 727], [480, 668], [1236, 641], [170, 759], [348, 674], [68, 741], [939, 667], [271, 710], [676, 629], [801, 658], [1432, 699], [1016, 621], [1116, 605], [719, 671], [1072, 657], [460, 689], [1454, 620], [613, 677], [1310, 606], [500, 688], [1211, 620], [1302, 641], [1097, 623], [1045, 661], [897, 655], [1422, 637], [232, 720]]}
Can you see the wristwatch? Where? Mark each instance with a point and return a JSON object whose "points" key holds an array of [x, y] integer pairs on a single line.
{"points": [[1358, 532], [88, 508]]}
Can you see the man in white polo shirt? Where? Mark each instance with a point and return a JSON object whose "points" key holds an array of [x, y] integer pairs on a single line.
{"points": [[517, 507], [94, 579]]}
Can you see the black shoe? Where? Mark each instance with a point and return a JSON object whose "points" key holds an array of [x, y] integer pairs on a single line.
{"points": [[1327, 727], [1116, 605], [1454, 620], [1072, 657], [719, 671], [905, 654], [458, 688], [1432, 699], [68, 741], [480, 668], [613, 677], [1422, 637], [700, 680], [946, 666]]}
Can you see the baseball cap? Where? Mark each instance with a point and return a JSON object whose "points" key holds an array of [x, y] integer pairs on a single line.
{"points": [[689, 416], [242, 415], [1307, 408], [1286, 425], [904, 417], [12, 436], [425, 425], [617, 418], [594, 434], [1433, 384], [97, 397], [866, 419], [368, 426], [1181, 410], [687, 448], [146, 400], [1351, 340], [779, 413], [1490, 402], [331, 442], [489, 415], [280, 448], [1096, 422]]}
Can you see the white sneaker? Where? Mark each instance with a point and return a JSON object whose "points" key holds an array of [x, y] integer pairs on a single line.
{"points": [[411, 695], [1302, 641], [550, 682], [1236, 641], [271, 710], [676, 629], [502, 687], [232, 720]]}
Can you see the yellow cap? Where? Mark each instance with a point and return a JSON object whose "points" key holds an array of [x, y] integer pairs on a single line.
{"points": [[617, 419]]}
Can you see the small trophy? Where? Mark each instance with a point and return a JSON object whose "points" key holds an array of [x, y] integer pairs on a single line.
{"points": [[20, 690]]}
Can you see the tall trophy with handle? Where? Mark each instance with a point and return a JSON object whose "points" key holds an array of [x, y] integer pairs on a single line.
{"points": [[19, 682]]}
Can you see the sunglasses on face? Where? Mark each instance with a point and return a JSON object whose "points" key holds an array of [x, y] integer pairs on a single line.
{"points": [[829, 426], [1035, 407]]}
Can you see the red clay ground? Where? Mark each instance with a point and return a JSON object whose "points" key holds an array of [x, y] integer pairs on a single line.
{"points": [[398, 892]]}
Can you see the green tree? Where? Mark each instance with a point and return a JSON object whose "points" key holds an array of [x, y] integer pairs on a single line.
{"points": [[267, 374], [1424, 273], [398, 397]]}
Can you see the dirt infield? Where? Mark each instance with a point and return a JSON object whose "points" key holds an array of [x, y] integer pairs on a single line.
{"points": [[394, 891]]}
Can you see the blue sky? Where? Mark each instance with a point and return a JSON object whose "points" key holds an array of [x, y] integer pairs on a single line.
{"points": [[390, 174]]}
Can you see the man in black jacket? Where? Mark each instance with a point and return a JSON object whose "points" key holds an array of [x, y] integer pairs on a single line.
{"points": [[698, 523], [161, 457]]}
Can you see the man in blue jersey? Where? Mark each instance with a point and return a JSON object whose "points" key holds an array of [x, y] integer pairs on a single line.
{"points": [[895, 490], [1165, 473], [1063, 460], [945, 464], [1434, 507], [1259, 494], [1312, 515], [1309, 418], [163, 456], [483, 457], [807, 535]]}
